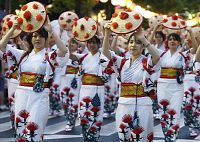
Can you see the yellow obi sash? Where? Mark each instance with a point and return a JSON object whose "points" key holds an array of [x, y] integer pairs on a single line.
{"points": [[91, 79], [170, 73], [71, 70]]}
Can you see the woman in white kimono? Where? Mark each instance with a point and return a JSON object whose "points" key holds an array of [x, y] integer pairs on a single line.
{"points": [[91, 97], [35, 69], [170, 86], [134, 115], [70, 88]]}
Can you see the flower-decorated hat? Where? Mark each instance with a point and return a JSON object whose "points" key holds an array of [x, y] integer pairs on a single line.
{"points": [[7, 23], [196, 31], [32, 16], [174, 22], [84, 29], [126, 22], [155, 20], [67, 19]]}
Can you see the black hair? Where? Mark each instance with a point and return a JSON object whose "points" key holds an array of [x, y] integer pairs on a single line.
{"points": [[161, 34], [136, 41], [175, 36], [43, 33], [98, 41]]}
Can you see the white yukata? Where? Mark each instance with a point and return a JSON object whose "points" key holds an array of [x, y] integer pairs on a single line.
{"points": [[141, 130], [170, 93], [191, 104], [70, 92], [91, 98], [31, 108]]}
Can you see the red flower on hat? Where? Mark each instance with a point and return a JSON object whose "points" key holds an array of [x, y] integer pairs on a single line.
{"points": [[35, 6], [174, 17], [39, 17], [87, 18], [29, 27], [138, 130], [75, 23], [10, 23], [136, 16], [20, 21], [86, 36], [75, 19], [61, 18], [64, 25], [183, 22], [173, 24], [31, 126], [93, 27], [24, 7], [115, 25], [165, 20], [68, 20], [114, 15], [129, 25], [24, 114], [4, 29], [75, 33], [82, 27], [124, 15], [127, 118], [27, 15], [7, 19]]}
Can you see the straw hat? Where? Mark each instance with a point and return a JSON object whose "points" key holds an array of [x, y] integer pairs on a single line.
{"points": [[126, 22], [174, 22], [32, 16], [154, 20], [67, 19], [7, 23], [84, 29]]}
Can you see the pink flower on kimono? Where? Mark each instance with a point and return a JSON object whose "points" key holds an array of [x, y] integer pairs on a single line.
{"points": [[24, 114], [10, 100], [84, 121], [81, 104], [65, 106], [53, 56], [62, 94], [12, 68], [18, 120], [186, 93], [98, 123], [138, 130], [165, 116], [170, 132], [175, 127], [55, 86], [150, 137], [25, 132], [9, 53], [188, 107], [12, 115], [22, 139], [87, 100], [87, 113], [163, 123], [71, 111], [75, 106], [31, 126], [66, 89], [95, 109], [111, 97], [164, 102], [192, 89], [196, 114], [127, 118], [122, 126], [107, 87], [71, 95], [171, 112], [93, 129], [197, 97]]}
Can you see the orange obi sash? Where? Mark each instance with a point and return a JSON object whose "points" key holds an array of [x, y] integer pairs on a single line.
{"points": [[29, 79], [132, 90], [71, 70], [170, 73], [91, 79], [13, 75]]}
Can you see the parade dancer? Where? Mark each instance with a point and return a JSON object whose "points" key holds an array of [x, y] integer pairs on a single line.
{"points": [[134, 115]]}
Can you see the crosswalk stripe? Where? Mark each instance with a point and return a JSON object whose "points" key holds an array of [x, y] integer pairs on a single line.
{"points": [[5, 126], [108, 129], [4, 114]]}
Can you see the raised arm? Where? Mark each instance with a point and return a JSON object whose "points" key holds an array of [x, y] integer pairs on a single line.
{"points": [[62, 48], [6, 38], [106, 44], [151, 36], [154, 53], [194, 42], [197, 57]]}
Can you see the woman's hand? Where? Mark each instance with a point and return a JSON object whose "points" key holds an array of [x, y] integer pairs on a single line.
{"points": [[107, 30], [47, 25]]}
